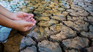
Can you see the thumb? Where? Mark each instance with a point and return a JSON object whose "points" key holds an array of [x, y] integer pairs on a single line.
{"points": [[28, 24]]}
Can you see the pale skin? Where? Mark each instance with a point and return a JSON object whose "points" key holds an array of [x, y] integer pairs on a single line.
{"points": [[13, 20]]}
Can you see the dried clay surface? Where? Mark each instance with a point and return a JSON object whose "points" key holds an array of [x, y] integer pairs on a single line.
{"points": [[61, 26]]}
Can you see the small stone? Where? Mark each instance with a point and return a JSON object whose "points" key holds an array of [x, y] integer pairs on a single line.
{"points": [[47, 46], [77, 43]]}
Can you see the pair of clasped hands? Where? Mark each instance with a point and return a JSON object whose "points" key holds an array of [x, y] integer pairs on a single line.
{"points": [[25, 21]]}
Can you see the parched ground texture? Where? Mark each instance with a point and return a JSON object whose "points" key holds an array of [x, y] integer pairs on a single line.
{"points": [[62, 26]]}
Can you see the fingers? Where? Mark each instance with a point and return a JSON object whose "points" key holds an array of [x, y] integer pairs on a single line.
{"points": [[28, 15], [25, 14], [32, 20], [31, 15], [28, 24], [22, 14], [26, 21], [28, 18]]}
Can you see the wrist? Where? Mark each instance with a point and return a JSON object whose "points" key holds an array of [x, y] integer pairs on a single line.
{"points": [[11, 15], [15, 24]]}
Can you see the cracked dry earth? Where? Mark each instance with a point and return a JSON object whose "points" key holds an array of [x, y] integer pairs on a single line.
{"points": [[62, 26]]}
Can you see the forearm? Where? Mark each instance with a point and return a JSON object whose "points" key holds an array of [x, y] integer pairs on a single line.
{"points": [[6, 22], [5, 12]]}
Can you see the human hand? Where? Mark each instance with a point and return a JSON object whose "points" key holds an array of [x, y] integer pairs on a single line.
{"points": [[22, 25], [21, 16], [25, 17]]}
